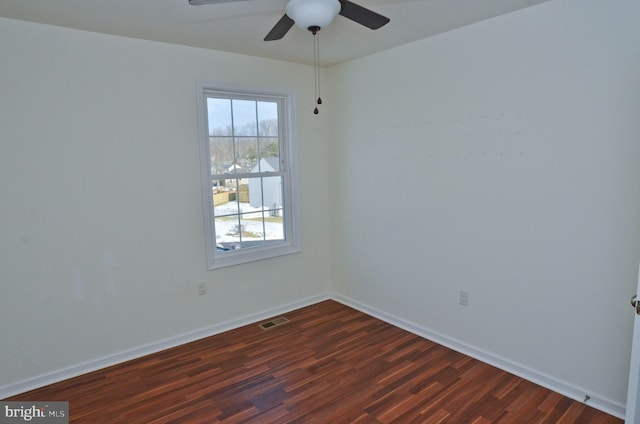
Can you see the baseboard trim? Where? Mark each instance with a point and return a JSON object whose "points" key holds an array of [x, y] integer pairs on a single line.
{"points": [[610, 407], [137, 352]]}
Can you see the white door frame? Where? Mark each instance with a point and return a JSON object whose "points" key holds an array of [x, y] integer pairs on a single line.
{"points": [[632, 413]]}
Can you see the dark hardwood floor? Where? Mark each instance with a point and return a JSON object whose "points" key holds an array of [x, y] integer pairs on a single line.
{"points": [[328, 364]]}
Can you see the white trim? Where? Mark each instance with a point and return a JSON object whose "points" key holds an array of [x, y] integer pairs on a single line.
{"points": [[140, 351], [610, 407]]}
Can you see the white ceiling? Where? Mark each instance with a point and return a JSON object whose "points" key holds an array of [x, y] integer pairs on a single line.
{"points": [[241, 26]]}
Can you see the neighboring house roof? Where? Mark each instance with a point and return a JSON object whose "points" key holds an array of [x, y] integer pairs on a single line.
{"points": [[270, 163], [234, 167]]}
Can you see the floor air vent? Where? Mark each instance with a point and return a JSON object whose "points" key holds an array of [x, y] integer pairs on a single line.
{"points": [[273, 323]]}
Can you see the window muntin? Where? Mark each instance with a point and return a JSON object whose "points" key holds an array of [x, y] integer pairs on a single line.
{"points": [[247, 153]]}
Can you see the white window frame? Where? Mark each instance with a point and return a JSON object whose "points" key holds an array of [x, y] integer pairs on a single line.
{"points": [[288, 154]]}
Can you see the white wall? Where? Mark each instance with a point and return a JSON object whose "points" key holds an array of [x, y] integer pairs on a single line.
{"points": [[502, 158], [101, 221], [513, 141]]}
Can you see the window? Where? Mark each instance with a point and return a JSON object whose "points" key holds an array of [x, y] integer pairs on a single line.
{"points": [[248, 180]]}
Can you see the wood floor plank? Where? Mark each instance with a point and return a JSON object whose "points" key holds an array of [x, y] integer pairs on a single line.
{"points": [[328, 364]]}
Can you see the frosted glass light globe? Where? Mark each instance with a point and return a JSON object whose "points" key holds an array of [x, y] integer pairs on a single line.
{"points": [[313, 13]]}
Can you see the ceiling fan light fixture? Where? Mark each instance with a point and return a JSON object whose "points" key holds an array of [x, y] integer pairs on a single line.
{"points": [[313, 13]]}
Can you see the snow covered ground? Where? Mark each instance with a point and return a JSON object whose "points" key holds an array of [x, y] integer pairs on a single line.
{"points": [[253, 227]]}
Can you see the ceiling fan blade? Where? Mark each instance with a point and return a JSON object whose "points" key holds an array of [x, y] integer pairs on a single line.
{"points": [[362, 15], [201, 2], [280, 28]]}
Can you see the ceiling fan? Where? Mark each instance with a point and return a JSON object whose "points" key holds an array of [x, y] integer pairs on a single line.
{"points": [[313, 15]]}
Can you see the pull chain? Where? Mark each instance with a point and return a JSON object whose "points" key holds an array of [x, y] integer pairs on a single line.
{"points": [[317, 37], [316, 66]]}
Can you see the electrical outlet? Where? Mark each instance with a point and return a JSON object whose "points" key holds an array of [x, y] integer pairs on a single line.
{"points": [[464, 297], [202, 288]]}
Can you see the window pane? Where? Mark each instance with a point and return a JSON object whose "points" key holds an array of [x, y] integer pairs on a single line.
{"points": [[252, 227], [244, 118], [226, 201], [227, 233], [269, 164], [265, 193], [221, 149], [274, 227], [268, 119], [246, 154], [269, 148], [259, 227], [219, 114]]}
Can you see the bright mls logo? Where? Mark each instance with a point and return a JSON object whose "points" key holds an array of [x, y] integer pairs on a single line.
{"points": [[34, 412]]}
